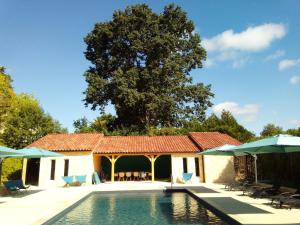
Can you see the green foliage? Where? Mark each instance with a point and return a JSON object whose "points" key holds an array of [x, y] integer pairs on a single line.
{"points": [[11, 169], [271, 130], [141, 64], [7, 97], [228, 124], [27, 123]]}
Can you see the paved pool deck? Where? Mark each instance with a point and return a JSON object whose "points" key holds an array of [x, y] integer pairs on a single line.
{"points": [[36, 205]]}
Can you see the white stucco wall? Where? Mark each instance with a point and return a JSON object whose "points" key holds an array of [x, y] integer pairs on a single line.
{"points": [[218, 169], [78, 165], [177, 166]]}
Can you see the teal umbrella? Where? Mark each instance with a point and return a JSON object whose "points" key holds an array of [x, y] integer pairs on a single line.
{"points": [[37, 153], [5, 153], [224, 150], [276, 144]]}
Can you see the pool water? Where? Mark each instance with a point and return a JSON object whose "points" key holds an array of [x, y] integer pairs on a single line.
{"points": [[138, 208]]}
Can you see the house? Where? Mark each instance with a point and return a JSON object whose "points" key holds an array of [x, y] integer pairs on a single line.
{"points": [[161, 156]]}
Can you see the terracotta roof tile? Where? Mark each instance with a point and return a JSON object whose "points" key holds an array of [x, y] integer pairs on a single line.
{"points": [[146, 144], [207, 140], [68, 142], [98, 143]]}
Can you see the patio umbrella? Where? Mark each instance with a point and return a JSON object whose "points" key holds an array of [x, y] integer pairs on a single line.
{"points": [[37, 153], [276, 144], [5, 153], [224, 150]]}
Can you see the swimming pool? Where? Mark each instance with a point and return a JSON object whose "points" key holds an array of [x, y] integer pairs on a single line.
{"points": [[137, 208]]}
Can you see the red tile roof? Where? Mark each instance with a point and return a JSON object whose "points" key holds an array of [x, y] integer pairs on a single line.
{"points": [[146, 144], [96, 142], [207, 140], [68, 142]]}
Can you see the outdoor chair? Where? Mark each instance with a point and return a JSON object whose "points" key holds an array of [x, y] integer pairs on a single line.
{"points": [[143, 175], [149, 176], [186, 177], [116, 176], [136, 176], [95, 178], [284, 197], [128, 175], [266, 192], [68, 180], [292, 201], [15, 185], [121, 176], [81, 179]]}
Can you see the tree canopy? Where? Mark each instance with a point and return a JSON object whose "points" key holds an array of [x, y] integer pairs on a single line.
{"points": [[27, 123], [141, 63], [7, 96]]}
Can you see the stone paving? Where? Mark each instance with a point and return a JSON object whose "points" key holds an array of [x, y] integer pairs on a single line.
{"points": [[36, 206]]}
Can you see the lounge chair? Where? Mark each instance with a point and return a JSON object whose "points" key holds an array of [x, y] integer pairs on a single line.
{"points": [[186, 177], [67, 179], [95, 178], [280, 198], [292, 202], [81, 179], [266, 192], [15, 185]]}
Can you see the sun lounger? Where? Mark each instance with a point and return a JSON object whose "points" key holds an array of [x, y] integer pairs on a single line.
{"points": [[68, 180], [15, 185], [278, 199], [95, 178], [81, 179], [266, 192]]}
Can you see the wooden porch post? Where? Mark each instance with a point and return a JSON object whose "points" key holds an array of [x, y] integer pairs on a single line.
{"points": [[152, 159], [24, 168], [113, 160]]}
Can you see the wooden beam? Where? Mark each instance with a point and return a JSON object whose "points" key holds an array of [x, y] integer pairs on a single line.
{"points": [[24, 168]]}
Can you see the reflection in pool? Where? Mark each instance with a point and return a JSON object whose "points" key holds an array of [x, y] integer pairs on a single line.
{"points": [[138, 208]]}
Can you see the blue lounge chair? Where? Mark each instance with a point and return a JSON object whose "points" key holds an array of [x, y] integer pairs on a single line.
{"points": [[96, 179], [15, 185], [186, 177], [81, 179], [68, 179]]}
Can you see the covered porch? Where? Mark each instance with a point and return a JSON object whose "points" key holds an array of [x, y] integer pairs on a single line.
{"points": [[124, 167]]}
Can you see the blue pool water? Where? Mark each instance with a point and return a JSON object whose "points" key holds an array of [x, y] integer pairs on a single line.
{"points": [[140, 208]]}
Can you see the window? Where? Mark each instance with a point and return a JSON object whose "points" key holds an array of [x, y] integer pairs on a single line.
{"points": [[197, 166], [66, 170], [184, 160], [52, 175]]}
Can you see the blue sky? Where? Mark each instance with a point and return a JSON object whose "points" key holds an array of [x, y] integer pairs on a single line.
{"points": [[253, 54]]}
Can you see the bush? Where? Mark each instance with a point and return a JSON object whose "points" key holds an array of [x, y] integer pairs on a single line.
{"points": [[11, 169]]}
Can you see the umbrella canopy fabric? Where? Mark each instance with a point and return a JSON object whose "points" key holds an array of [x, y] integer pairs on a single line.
{"points": [[37, 153], [6, 152], [276, 144], [224, 150]]}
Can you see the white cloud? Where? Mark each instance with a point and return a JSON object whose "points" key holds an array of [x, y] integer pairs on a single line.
{"points": [[295, 80], [239, 63], [236, 46], [287, 63], [295, 123], [254, 38], [277, 54], [249, 112]]}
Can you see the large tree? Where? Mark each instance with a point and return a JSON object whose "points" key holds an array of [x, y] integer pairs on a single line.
{"points": [[141, 63], [27, 123], [7, 96], [271, 130]]}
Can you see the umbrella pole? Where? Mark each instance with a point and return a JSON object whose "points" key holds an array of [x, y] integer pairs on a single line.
{"points": [[255, 167], [1, 161]]}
